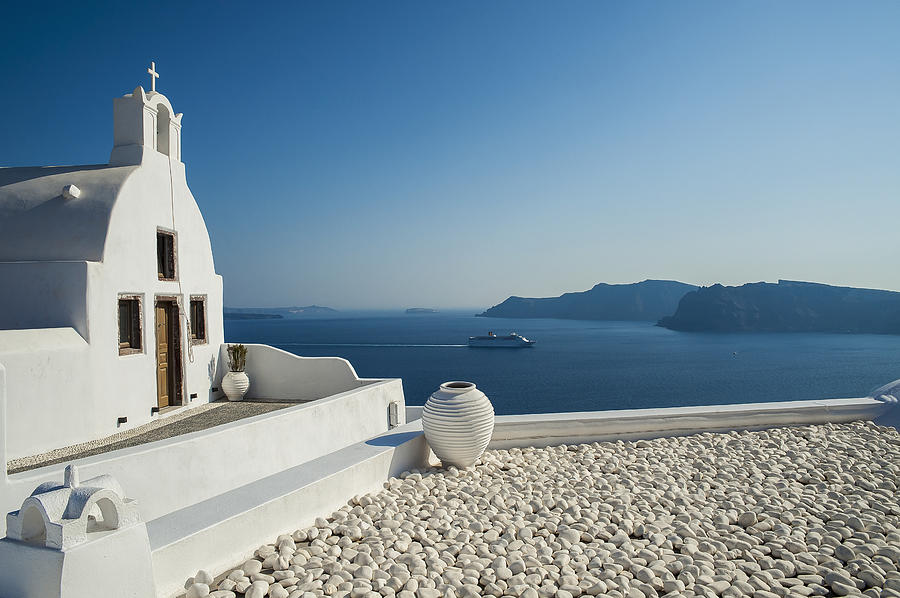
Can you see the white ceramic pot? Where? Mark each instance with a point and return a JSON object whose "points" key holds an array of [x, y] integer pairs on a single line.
{"points": [[458, 421], [235, 385]]}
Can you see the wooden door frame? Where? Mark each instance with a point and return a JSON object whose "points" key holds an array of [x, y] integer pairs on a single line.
{"points": [[176, 360]]}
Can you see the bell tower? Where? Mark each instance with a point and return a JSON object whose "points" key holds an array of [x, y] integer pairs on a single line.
{"points": [[144, 122]]}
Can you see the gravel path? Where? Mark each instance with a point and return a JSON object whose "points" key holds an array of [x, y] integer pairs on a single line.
{"points": [[191, 420], [806, 511]]}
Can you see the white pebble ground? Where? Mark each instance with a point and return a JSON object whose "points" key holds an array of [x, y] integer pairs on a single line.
{"points": [[805, 511]]}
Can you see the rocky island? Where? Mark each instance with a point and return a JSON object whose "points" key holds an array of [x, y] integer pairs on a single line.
{"points": [[649, 300], [231, 315], [308, 311], [787, 306]]}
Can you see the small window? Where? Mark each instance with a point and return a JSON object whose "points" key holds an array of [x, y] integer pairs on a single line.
{"points": [[129, 325], [165, 255], [198, 320]]}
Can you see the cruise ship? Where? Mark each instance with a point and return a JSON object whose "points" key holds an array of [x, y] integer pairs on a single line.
{"points": [[492, 340]]}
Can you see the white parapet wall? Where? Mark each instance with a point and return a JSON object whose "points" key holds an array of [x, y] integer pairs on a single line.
{"points": [[275, 373], [170, 474], [547, 429]]}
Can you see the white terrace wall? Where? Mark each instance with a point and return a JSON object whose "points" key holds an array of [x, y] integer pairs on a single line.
{"points": [[275, 373], [52, 391], [171, 474], [548, 429]]}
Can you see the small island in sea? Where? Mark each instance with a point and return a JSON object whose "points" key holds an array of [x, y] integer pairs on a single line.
{"points": [[421, 310], [230, 315], [309, 311], [649, 300], [788, 306]]}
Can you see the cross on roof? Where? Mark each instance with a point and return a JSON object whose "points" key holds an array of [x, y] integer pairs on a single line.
{"points": [[153, 75]]}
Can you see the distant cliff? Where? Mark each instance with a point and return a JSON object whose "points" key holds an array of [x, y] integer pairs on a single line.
{"points": [[231, 315], [648, 300], [787, 307], [308, 311]]}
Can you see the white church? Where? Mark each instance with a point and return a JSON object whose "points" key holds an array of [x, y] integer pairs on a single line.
{"points": [[110, 318], [111, 309]]}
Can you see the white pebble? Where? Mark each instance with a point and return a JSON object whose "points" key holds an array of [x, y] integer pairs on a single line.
{"points": [[785, 512]]}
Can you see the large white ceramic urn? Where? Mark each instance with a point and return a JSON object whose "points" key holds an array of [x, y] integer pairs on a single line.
{"points": [[458, 421], [235, 385]]}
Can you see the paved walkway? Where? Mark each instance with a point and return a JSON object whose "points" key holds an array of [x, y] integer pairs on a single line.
{"points": [[192, 420]]}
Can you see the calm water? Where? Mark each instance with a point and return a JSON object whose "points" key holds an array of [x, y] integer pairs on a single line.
{"points": [[586, 366]]}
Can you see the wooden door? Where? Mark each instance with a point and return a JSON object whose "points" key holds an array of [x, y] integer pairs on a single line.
{"points": [[163, 369]]}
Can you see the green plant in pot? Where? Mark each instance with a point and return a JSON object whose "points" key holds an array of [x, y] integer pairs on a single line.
{"points": [[235, 383]]}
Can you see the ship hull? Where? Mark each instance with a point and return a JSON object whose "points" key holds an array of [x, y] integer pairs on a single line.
{"points": [[500, 343]]}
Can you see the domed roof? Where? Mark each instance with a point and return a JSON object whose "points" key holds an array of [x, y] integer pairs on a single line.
{"points": [[38, 223]]}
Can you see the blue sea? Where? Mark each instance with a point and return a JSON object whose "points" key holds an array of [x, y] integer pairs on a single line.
{"points": [[587, 365]]}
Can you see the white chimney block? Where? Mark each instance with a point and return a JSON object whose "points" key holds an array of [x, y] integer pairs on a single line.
{"points": [[71, 192], [71, 478]]}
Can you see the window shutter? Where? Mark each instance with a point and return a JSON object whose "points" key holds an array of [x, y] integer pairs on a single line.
{"points": [[170, 255], [135, 324]]}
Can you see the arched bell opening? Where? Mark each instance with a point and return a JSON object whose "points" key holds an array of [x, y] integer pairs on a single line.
{"points": [[103, 516], [34, 530], [162, 128]]}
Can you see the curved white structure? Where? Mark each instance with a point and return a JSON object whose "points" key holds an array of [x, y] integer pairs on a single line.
{"points": [[77, 539], [458, 420], [889, 393]]}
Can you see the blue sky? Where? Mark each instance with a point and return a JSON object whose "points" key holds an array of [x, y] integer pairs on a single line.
{"points": [[396, 154]]}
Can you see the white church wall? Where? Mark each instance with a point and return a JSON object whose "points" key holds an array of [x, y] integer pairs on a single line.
{"points": [[44, 295], [163, 476], [130, 267]]}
